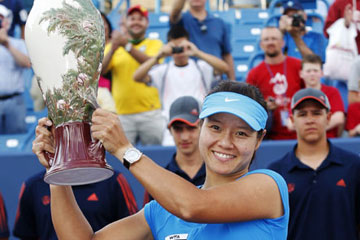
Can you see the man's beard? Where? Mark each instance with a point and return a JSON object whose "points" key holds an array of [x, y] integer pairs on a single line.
{"points": [[272, 54]]}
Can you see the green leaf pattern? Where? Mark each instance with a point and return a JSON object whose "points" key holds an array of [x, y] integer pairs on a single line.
{"points": [[84, 32]]}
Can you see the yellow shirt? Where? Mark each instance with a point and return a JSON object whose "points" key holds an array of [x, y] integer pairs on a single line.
{"points": [[132, 97]]}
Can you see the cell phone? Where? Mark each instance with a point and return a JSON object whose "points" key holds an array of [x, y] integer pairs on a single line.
{"points": [[177, 49]]}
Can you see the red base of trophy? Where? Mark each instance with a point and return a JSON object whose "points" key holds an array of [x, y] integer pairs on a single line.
{"points": [[78, 159]]}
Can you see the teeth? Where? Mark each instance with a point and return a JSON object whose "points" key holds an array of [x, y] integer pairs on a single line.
{"points": [[222, 155]]}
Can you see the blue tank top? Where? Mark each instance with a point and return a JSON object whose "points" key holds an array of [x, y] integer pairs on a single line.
{"points": [[166, 226]]}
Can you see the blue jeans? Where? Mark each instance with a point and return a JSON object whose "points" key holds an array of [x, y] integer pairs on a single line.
{"points": [[12, 115]]}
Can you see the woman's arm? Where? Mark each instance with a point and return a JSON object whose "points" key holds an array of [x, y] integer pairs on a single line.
{"points": [[69, 222], [252, 197]]}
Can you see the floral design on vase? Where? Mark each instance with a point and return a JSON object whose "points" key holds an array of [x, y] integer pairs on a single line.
{"points": [[75, 101]]}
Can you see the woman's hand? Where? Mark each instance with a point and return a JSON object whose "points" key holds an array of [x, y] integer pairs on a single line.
{"points": [[44, 141], [106, 128]]}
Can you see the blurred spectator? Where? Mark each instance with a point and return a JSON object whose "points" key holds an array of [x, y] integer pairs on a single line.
{"points": [[353, 116], [278, 79], [102, 203], [344, 9], [104, 97], [137, 104], [19, 16], [181, 76], [4, 230], [206, 31], [185, 129], [298, 41], [311, 73], [14, 60], [323, 180]]}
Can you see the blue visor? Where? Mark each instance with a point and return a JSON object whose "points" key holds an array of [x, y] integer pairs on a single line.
{"points": [[239, 105]]}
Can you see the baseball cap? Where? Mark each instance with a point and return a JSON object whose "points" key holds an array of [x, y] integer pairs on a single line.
{"points": [[237, 104], [309, 93], [184, 109], [143, 11], [292, 5]]}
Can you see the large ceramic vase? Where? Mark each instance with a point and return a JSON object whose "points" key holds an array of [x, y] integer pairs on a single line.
{"points": [[65, 41]]}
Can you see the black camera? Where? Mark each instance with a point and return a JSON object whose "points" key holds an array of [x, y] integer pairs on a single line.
{"points": [[297, 20], [177, 49]]}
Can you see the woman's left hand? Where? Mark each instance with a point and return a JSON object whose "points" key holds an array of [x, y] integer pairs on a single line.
{"points": [[106, 128]]}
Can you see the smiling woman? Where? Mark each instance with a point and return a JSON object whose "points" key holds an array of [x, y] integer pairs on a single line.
{"points": [[232, 204]]}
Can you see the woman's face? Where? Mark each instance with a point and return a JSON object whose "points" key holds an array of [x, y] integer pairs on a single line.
{"points": [[227, 144]]}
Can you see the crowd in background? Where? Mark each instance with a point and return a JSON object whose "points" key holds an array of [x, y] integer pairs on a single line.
{"points": [[142, 78]]}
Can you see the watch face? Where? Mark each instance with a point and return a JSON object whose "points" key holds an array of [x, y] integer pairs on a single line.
{"points": [[132, 155]]}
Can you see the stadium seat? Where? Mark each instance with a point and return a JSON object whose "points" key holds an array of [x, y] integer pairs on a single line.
{"points": [[228, 16], [256, 58], [241, 68], [253, 16], [158, 20], [157, 33], [243, 48], [246, 32]]}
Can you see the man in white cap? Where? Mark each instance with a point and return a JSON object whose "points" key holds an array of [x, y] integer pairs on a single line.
{"points": [[14, 60]]}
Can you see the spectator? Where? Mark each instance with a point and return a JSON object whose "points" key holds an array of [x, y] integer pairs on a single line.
{"points": [[184, 127], [353, 119], [14, 60], [344, 9], [137, 104], [299, 42], [323, 180], [181, 76], [206, 31], [4, 230], [101, 203], [104, 97], [233, 203], [278, 79], [311, 73], [19, 16]]}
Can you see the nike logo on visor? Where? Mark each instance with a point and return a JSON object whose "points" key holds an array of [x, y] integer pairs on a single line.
{"points": [[231, 99]]}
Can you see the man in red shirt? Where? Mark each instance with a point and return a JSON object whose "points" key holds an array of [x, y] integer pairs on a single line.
{"points": [[344, 9], [278, 79], [311, 72]]}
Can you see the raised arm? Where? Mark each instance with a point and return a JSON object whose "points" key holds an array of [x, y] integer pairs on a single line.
{"points": [[218, 64], [175, 13], [69, 222], [141, 74], [255, 196]]}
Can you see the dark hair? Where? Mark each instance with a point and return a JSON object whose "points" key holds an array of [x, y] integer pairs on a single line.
{"points": [[246, 90], [177, 31], [311, 58], [108, 23]]}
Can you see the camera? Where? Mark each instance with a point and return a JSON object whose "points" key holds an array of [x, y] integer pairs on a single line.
{"points": [[177, 49], [297, 20]]}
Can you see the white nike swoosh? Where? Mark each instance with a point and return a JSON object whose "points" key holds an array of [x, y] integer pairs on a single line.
{"points": [[231, 100]]}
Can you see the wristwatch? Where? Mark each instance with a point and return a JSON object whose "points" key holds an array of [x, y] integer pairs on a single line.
{"points": [[128, 47], [131, 156]]}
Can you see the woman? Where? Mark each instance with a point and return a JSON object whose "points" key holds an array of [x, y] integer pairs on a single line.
{"points": [[232, 204]]}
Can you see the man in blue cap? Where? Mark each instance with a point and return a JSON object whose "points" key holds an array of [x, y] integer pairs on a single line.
{"points": [[322, 179], [299, 41]]}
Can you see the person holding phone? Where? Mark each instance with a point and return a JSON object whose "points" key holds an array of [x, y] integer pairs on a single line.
{"points": [[182, 76]]}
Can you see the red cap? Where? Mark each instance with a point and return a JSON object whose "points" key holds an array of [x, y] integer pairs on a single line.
{"points": [[143, 11]]}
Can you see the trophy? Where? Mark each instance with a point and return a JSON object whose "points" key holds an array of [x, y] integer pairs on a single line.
{"points": [[65, 40]]}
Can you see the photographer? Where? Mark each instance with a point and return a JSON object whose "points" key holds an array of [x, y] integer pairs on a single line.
{"points": [[14, 60], [298, 41], [182, 76]]}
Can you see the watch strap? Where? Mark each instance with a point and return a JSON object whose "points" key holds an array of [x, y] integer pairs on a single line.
{"points": [[126, 163]]}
